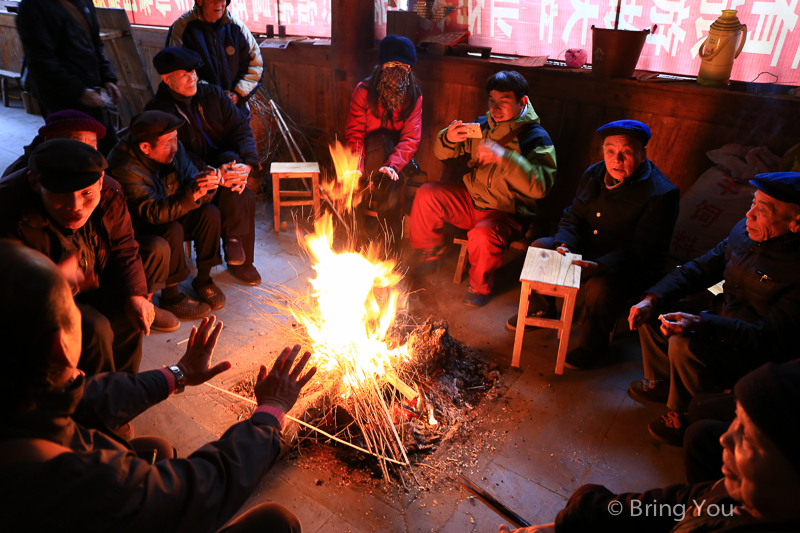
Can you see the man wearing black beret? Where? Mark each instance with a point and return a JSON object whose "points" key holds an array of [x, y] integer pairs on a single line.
{"points": [[170, 202], [66, 207], [621, 222], [758, 488], [756, 319], [215, 134]]}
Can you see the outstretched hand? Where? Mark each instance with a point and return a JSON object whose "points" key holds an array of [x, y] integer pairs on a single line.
{"points": [[282, 386], [195, 362]]}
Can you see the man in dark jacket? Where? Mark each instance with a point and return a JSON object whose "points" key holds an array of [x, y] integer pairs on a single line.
{"points": [[66, 124], [754, 320], [65, 62], [513, 164], [231, 57], [759, 491], [68, 209], [170, 202], [621, 221], [214, 134], [63, 469]]}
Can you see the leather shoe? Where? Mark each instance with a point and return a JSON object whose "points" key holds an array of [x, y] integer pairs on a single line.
{"points": [[185, 308], [669, 428], [210, 294], [247, 274], [649, 390], [582, 358], [164, 321], [511, 324], [476, 299], [234, 252]]}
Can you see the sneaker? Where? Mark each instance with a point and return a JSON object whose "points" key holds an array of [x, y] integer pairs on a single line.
{"points": [[649, 390], [234, 252], [210, 294], [669, 428], [247, 274], [511, 324], [185, 308], [476, 299], [582, 358], [164, 321]]}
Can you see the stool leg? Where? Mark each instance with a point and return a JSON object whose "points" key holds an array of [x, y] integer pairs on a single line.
{"points": [[462, 261], [524, 295], [276, 200], [564, 330], [315, 190]]}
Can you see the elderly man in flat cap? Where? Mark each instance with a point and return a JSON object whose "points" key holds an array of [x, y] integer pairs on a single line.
{"points": [[758, 488], [214, 134], [756, 319], [170, 202], [66, 207], [63, 469], [621, 221], [66, 124]]}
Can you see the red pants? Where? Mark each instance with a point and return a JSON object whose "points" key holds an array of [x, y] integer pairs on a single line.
{"points": [[490, 232]]}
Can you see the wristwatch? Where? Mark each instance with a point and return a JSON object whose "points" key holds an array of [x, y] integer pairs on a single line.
{"points": [[180, 379]]}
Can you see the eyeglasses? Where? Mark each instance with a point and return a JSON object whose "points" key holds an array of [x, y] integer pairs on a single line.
{"points": [[397, 64]]}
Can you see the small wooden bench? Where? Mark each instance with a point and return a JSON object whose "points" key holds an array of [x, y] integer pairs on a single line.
{"points": [[281, 171], [6, 75], [550, 273], [462, 241]]}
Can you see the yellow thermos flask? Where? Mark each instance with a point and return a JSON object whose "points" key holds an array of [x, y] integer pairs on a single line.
{"points": [[723, 44]]}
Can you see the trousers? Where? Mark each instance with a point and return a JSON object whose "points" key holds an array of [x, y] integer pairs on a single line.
{"points": [[237, 210], [691, 365], [202, 226], [709, 417], [489, 232], [267, 517]]}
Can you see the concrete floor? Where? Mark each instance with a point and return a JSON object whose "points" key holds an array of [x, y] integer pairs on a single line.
{"points": [[546, 436]]}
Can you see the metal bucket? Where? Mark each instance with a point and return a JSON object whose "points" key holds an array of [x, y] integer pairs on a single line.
{"points": [[616, 52]]}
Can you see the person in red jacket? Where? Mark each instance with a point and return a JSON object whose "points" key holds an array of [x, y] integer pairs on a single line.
{"points": [[385, 125]]}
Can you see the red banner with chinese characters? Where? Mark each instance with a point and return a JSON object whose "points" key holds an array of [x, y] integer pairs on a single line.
{"points": [[549, 27]]}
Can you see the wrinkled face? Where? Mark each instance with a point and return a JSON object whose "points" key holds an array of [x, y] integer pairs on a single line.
{"points": [[182, 82], [756, 473], [211, 10], [623, 155], [164, 149], [86, 137], [72, 209], [769, 218], [505, 106]]}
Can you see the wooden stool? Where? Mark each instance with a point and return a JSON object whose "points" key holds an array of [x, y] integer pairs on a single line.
{"points": [[462, 255], [281, 171], [550, 273]]}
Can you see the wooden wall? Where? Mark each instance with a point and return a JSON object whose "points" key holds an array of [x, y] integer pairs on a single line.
{"points": [[686, 119]]}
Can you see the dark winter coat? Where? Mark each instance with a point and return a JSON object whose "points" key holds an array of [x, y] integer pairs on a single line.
{"points": [[672, 509], [758, 311], [231, 57], [212, 125], [101, 485], [625, 229], [108, 234], [156, 193], [62, 60]]}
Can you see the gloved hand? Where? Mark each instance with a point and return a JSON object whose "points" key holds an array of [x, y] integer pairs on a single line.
{"points": [[281, 387]]}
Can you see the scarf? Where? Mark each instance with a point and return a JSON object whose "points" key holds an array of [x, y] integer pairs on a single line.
{"points": [[392, 88]]}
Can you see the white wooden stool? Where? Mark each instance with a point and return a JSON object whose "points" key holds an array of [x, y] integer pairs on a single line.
{"points": [[550, 273], [281, 171]]}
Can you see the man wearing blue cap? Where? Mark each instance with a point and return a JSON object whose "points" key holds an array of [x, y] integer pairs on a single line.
{"points": [[621, 221], [754, 320], [214, 134]]}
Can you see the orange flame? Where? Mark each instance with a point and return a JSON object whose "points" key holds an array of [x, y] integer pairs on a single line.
{"points": [[356, 296]]}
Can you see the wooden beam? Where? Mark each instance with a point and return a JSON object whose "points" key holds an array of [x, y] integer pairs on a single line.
{"points": [[352, 35]]}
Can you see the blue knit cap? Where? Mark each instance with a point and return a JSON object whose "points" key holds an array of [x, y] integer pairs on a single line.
{"points": [[394, 48]]}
